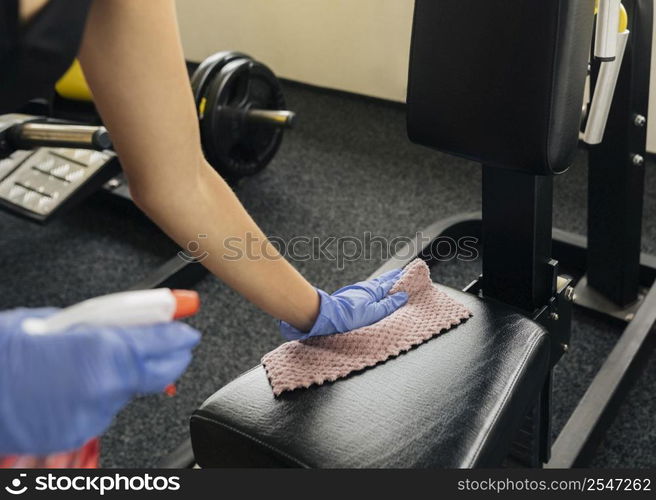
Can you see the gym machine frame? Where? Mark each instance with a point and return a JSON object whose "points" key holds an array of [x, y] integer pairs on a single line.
{"points": [[515, 230]]}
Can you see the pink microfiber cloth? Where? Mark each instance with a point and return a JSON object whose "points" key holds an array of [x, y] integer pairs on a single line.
{"points": [[428, 313]]}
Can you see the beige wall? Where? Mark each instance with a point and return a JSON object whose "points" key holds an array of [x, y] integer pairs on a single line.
{"points": [[355, 45], [359, 46], [651, 131]]}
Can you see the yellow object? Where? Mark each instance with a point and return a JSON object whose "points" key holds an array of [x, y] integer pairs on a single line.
{"points": [[73, 85], [201, 107], [624, 19]]}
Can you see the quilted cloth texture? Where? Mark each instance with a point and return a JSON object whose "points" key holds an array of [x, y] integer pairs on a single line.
{"points": [[428, 312]]}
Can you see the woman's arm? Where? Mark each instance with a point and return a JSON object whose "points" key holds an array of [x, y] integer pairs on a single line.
{"points": [[132, 58], [28, 8]]}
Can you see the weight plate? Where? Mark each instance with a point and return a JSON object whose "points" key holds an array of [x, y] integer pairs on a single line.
{"points": [[207, 70], [235, 146]]}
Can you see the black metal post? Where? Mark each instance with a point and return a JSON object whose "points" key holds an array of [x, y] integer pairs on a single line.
{"points": [[516, 238], [617, 170]]}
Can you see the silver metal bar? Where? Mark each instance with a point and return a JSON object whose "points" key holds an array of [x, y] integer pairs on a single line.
{"points": [[604, 92], [277, 118], [31, 135]]}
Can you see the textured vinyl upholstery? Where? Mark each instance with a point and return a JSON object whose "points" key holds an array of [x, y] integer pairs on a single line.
{"points": [[500, 81], [455, 401]]}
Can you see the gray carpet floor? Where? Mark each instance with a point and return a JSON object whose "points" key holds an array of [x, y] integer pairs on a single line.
{"points": [[346, 170]]}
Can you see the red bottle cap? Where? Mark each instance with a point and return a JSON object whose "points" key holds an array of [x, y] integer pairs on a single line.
{"points": [[187, 303]]}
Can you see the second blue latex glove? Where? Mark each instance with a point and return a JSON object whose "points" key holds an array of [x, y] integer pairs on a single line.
{"points": [[352, 307], [59, 390]]}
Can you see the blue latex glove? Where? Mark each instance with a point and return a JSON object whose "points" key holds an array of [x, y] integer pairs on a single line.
{"points": [[57, 391], [352, 307]]}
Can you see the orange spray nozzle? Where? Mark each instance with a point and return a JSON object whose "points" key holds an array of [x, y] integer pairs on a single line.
{"points": [[187, 303]]}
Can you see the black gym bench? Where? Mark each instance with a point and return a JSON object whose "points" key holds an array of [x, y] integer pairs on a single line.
{"points": [[498, 82]]}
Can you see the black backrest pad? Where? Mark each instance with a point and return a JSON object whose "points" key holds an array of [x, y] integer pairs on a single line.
{"points": [[500, 81]]}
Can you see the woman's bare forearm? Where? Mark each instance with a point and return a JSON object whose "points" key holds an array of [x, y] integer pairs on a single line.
{"points": [[28, 8], [133, 60]]}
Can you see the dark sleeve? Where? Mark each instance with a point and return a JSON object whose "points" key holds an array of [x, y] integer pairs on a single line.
{"points": [[8, 26], [33, 57]]}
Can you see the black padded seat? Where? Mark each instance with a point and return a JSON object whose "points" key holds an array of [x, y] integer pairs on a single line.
{"points": [[455, 401]]}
